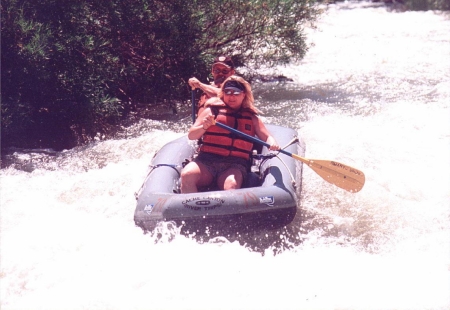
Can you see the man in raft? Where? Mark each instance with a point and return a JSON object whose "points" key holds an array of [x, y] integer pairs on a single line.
{"points": [[222, 68]]}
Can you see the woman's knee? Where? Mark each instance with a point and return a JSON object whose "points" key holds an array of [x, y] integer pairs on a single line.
{"points": [[232, 179], [190, 172], [231, 183]]}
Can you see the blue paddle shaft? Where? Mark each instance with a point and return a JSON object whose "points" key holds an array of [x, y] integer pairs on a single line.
{"points": [[248, 137], [193, 105]]}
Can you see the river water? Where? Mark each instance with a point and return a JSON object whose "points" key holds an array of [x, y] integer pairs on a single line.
{"points": [[373, 92]]}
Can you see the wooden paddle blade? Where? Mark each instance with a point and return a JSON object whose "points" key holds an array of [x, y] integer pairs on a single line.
{"points": [[343, 176]]}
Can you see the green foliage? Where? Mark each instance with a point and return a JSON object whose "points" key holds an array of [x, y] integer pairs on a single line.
{"points": [[424, 5], [72, 69], [257, 32]]}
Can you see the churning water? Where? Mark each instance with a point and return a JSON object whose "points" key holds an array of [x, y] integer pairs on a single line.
{"points": [[373, 92]]}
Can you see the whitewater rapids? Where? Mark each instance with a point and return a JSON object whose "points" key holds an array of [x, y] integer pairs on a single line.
{"points": [[372, 92]]}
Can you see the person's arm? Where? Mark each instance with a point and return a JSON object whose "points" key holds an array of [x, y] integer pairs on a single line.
{"points": [[264, 134], [202, 123], [210, 90]]}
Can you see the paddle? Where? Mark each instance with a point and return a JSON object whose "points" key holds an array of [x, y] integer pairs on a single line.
{"points": [[193, 105], [343, 176]]}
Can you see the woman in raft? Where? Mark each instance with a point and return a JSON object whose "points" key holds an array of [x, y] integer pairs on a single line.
{"points": [[224, 157]]}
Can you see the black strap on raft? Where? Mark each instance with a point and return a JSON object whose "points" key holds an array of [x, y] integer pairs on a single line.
{"points": [[167, 165], [175, 167]]}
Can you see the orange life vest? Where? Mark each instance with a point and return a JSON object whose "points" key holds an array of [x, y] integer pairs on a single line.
{"points": [[223, 142]]}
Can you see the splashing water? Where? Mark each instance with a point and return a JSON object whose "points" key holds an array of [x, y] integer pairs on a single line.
{"points": [[372, 92]]}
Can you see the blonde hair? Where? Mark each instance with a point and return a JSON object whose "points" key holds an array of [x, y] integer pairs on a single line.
{"points": [[249, 100]]}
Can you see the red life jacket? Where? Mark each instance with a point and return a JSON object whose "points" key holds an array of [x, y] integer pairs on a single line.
{"points": [[223, 142]]}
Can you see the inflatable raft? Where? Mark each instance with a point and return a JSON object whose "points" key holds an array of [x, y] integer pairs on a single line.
{"points": [[268, 200]]}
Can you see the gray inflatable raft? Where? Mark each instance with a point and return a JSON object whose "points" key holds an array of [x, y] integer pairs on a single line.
{"points": [[267, 201]]}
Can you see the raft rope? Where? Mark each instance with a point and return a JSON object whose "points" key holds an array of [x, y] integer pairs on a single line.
{"points": [[294, 140], [294, 184], [175, 167], [153, 167], [267, 157]]}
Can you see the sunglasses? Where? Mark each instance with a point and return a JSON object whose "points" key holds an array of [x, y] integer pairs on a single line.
{"points": [[223, 71], [232, 92]]}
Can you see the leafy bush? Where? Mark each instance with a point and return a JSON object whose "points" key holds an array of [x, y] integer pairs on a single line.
{"points": [[424, 5], [256, 32], [72, 69]]}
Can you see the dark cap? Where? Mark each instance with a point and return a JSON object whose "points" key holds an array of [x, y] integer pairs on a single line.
{"points": [[234, 85], [224, 60]]}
